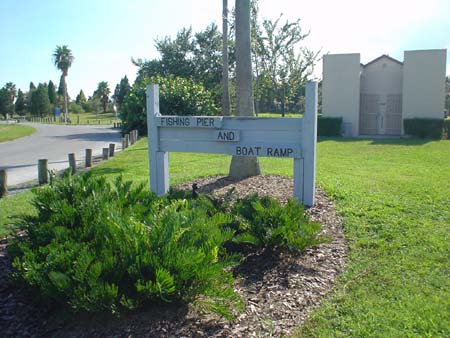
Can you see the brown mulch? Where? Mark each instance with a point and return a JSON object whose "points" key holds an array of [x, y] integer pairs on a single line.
{"points": [[279, 289]]}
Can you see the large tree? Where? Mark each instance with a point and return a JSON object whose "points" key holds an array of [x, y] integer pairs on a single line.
{"points": [[52, 93], [285, 65], [20, 104], [29, 94], [195, 56], [40, 103], [7, 96], [63, 59], [102, 93], [281, 62], [11, 89], [122, 90], [243, 166], [81, 98], [208, 59], [5, 103]]}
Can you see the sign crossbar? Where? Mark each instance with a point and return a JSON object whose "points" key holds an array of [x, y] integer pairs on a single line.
{"points": [[239, 136]]}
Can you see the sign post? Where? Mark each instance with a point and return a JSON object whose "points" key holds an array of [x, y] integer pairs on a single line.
{"points": [[240, 136], [159, 160]]}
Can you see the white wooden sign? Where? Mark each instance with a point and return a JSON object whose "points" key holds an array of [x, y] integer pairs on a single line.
{"points": [[240, 136]]}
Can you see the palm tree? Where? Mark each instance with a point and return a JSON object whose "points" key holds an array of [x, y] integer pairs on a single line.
{"points": [[226, 110], [63, 58], [243, 166], [102, 93]]}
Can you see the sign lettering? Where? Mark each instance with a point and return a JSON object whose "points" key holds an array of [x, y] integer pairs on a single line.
{"points": [[189, 121], [267, 151], [225, 135], [175, 121], [248, 151], [279, 152]]}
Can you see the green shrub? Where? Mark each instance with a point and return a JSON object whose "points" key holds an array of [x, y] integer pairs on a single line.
{"points": [[75, 108], [447, 128], [266, 223], [424, 127], [329, 126], [177, 96], [100, 246]]}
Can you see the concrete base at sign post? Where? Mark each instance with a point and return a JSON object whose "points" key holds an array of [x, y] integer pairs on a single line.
{"points": [[242, 167]]}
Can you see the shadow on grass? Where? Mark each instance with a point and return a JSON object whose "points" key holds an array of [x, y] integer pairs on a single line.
{"points": [[379, 140], [128, 150], [103, 137], [107, 171]]}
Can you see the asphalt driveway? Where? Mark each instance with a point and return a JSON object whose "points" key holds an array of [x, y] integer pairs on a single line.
{"points": [[53, 142]]}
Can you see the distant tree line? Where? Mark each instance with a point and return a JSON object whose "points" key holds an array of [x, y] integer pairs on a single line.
{"points": [[37, 101], [42, 100]]}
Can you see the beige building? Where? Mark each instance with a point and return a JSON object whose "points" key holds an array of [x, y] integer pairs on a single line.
{"points": [[373, 99]]}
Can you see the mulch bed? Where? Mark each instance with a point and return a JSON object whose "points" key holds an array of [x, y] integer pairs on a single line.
{"points": [[279, 288]]}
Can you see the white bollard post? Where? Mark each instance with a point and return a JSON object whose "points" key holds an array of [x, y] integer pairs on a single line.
{"points": [[3, 182], [112, 148], [72, 163], [42, 171], [105, 154], [88, 159]]}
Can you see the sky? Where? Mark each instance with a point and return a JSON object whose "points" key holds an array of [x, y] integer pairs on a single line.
{"points": [[105, 34]]}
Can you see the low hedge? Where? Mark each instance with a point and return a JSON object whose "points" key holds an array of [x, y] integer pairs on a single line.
{"points": [[329, 126], [447, 128], [424, 127]]}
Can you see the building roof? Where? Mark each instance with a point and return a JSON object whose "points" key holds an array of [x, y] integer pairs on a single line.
{"points": [[383, 56]]}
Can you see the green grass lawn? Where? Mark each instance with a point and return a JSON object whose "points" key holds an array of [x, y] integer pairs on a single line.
{"points": [[9, 132], [93, 118], [395, 199], [90, 118], [12, 206], [394, 196]]}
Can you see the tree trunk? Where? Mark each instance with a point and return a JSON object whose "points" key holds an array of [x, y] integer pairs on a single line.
{"points": [[226, 110], [257, 93], [65, 99], [242, 167]]}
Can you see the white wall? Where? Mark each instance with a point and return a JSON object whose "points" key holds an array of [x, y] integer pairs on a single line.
{"points": [[424, 83], [340, 88], [382, 77]]}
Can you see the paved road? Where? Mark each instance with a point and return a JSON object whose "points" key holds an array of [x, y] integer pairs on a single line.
{"points": [[52, 142]]}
